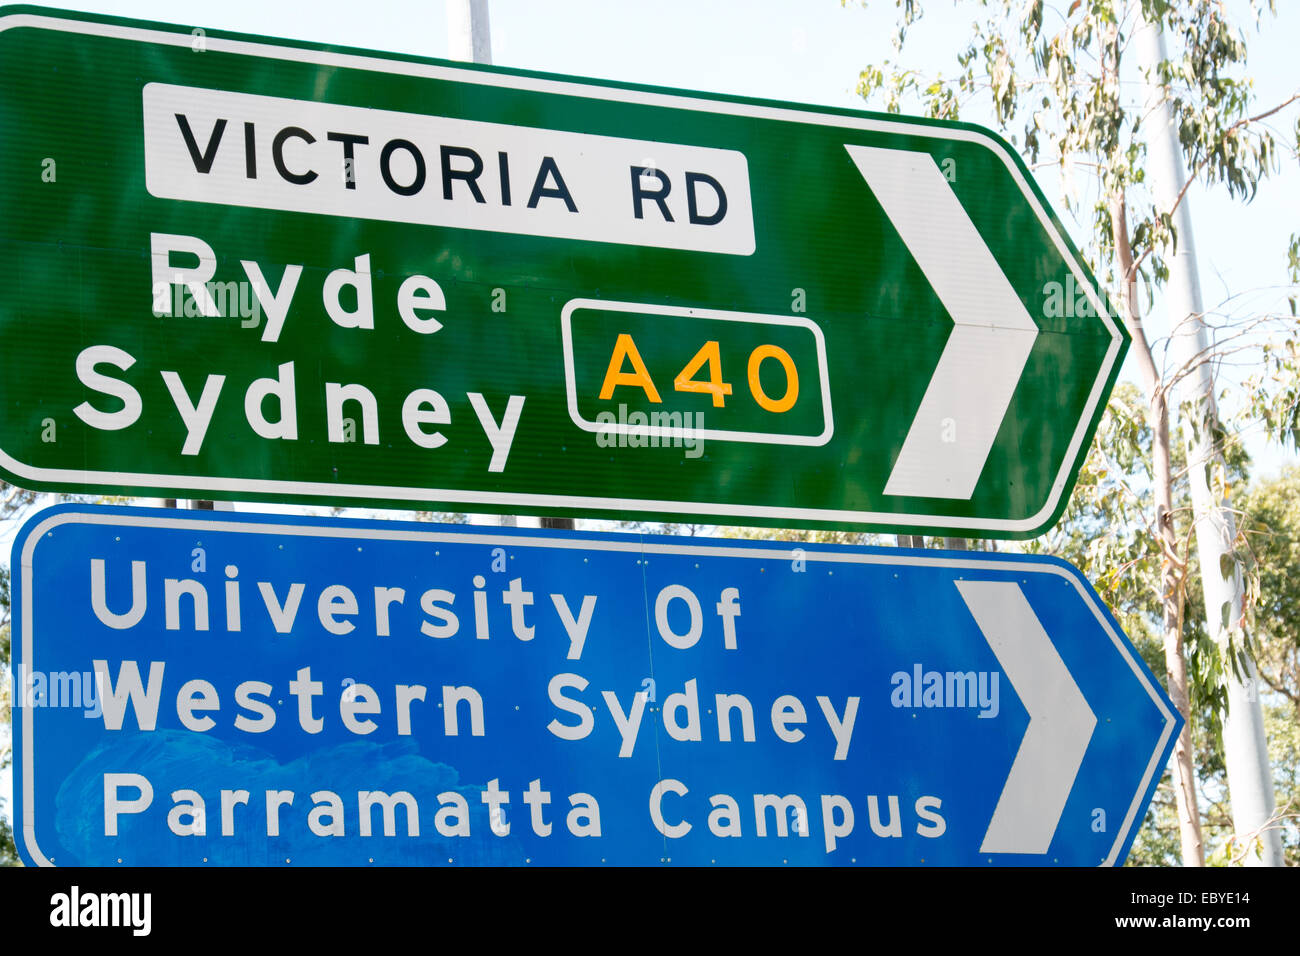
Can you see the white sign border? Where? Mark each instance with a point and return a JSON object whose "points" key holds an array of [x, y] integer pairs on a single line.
{"points": [[633, 544], [506, 501]]}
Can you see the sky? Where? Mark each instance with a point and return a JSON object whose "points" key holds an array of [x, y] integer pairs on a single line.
{"points": [[799, 51]]}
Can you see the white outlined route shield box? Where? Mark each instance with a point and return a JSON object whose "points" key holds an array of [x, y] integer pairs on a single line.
{"points": [[822, 385]]}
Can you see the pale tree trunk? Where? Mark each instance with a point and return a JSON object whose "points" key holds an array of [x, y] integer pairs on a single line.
{"points": [[1245, 741], [1172, 565]]}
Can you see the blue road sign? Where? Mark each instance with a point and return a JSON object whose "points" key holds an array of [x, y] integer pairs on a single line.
{"points": [[251, 689]]}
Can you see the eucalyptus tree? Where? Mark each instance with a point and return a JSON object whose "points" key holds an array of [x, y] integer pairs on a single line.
{"points": [[1056, 80]]}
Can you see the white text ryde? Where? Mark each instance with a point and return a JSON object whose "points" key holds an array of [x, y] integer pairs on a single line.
{"points": [[268, 152], [419, 300]]}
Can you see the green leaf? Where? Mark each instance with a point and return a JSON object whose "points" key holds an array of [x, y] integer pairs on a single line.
{"points": [[1227, 565]]}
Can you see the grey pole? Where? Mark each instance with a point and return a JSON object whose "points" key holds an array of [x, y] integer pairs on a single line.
{"points": [[1250, 779], [468, 32]]}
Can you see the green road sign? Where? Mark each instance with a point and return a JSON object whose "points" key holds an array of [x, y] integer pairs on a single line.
{"points": [[244, 268]]}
